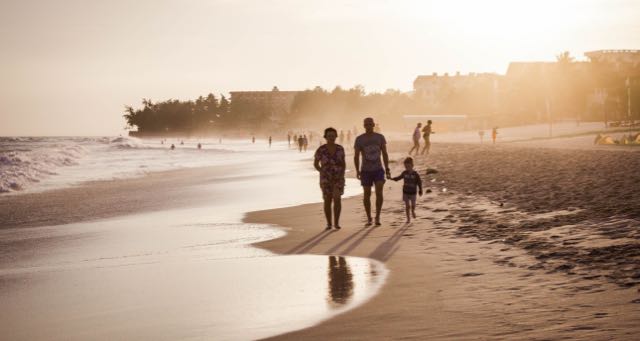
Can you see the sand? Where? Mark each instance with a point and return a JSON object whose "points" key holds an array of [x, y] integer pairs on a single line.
{"points": [[525, 243]]}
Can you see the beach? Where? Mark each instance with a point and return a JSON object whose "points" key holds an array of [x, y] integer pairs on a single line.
{"points": [[512, 242], [165, 255]]}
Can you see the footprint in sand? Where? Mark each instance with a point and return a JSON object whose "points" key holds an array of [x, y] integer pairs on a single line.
{"points": [[472, 274]]}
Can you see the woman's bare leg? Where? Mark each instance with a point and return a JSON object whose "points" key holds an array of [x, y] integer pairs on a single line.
{"points": [[327, 209], [337, 208]]}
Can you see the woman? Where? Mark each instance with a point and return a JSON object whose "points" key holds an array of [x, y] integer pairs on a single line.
{"points": [[426, 135], [329, 161]]}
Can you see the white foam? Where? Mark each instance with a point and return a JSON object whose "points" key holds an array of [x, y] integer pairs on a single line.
{"points": [[30, 164]]}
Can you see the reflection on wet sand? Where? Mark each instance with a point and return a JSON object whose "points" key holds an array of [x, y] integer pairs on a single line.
{"points": [[340, 281]]}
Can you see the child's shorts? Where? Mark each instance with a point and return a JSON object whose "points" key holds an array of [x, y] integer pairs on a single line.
{"points": [[409, 197]]}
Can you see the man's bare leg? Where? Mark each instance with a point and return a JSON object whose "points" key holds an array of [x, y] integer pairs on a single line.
{"points": [[379, 200], [366, 200]]}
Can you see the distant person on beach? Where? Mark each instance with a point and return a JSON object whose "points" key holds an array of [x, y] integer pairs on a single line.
{"points": [[412, 186], [253, 139], [300, 143], [173, 146], [426, 135], [269, 141], [371, 146], [310, 137], [348, 137], [289, 139], [329, 160], [341, 137], [181, 142], [305, 142], [416, 139], [494, 134], [199, 146], [481, 134]]}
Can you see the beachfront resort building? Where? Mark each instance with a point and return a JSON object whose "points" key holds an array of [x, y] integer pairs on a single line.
{"points": [[620, 59], [434, 89], [255, 106]]}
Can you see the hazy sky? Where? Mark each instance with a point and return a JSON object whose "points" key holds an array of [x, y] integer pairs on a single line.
{"points": [[69, 67]]}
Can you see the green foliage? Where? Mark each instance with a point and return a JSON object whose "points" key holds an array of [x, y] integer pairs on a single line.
{"points": [[174, 116]]}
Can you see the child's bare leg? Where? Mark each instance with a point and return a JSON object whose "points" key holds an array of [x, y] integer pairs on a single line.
{"points": [[407, 207], [413, 208]]}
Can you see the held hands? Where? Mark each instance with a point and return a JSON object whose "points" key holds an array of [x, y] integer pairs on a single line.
{"points": [[388, 171]]}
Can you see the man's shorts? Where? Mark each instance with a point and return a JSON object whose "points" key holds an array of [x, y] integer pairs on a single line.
{"points": [[368, 178]]}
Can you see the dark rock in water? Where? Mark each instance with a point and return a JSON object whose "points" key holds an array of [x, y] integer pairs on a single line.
{"points": [[431, 171]]}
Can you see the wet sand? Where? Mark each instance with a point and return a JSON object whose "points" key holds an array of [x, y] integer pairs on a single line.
{"points": [[524, 243], [166, 257], [558, 259]]}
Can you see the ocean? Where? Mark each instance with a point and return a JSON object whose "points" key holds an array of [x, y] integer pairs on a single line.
{"points": [[177, 273]]}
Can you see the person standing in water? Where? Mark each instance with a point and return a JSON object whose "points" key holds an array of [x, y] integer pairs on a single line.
{"points": [[300, 143], [289, 139], [253, 139], [426, 135], [494, 134], [371, 146], [269, 141], [416, 139], [329, 161]]}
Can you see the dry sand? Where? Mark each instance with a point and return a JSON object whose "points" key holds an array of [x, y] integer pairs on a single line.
{"points": [[559, 259], [525, 243]]}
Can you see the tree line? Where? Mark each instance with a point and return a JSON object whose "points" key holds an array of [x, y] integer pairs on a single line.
{"points": [[565, 89]]}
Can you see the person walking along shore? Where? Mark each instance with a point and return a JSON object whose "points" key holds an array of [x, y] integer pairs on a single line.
{"points": [[329, 161], [371, 146], [416, 139]]}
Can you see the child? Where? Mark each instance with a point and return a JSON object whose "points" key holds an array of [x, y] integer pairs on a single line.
{"points": [[411, 181]]}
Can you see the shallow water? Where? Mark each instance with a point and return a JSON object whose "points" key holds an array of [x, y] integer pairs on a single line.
{"points": [[180, 274]]}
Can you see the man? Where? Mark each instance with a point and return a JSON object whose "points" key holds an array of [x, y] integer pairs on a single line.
{"points": [[371, 145], [426, 134], [416, 139]]}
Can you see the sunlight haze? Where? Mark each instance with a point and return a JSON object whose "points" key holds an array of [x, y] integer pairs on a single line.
{"points": [[70, 67]]}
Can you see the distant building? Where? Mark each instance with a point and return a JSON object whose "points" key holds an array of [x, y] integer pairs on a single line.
{"points": [[619, 58], [432, 88], [528, 69], [275, 104]]}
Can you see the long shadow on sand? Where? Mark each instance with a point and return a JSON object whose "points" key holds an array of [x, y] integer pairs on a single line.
{"points": [[386, 249], [310, 243], [344, 241], [359, 240]]}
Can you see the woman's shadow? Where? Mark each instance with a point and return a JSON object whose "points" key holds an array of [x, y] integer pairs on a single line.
{"points": [[340, 281]]}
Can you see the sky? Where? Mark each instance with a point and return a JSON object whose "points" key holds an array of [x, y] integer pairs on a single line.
{"points": [[69, 67]]}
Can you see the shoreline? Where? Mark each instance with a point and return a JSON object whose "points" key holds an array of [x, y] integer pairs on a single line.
{"points": [[442, 273], [454, 280]]}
